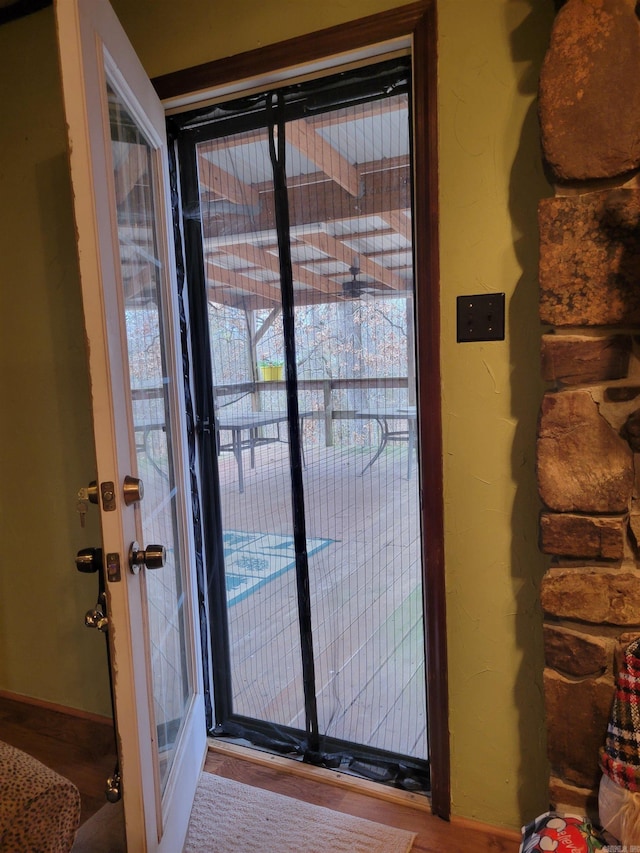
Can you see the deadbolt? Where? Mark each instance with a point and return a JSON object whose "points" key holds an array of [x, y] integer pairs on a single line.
{"points": [[152, 557], [133, 490], [92, 492], [89, 560]]}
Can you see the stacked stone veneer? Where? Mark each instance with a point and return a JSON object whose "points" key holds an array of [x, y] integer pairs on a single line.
{"points": [[588, 455]]}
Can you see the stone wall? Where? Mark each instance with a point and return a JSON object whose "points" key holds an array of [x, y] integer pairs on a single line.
{"points": [[588, 451]]}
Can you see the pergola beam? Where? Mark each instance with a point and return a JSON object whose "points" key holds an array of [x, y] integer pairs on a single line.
{"points": [[216, 180], [218, 275], [258, 257], [337, 249], [316, 149]]}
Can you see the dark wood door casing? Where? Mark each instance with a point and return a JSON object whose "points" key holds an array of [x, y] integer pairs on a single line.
{"points": [[418, 22]]}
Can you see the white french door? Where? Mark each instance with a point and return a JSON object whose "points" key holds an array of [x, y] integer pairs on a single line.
{"points": [[120, 184]]}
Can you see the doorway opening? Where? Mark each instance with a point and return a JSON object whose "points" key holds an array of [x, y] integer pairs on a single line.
{"points": [[300, 263]]}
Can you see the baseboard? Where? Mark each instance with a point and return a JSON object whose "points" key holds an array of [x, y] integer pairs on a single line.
{"points": [[486, 828], [99, 719], [70, 725]]}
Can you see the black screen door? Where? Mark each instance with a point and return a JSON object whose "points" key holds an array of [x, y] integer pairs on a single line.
{"points": [[299, 255]]}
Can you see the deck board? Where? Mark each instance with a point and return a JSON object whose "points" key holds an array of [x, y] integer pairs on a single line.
{"points": [[366, 596]]}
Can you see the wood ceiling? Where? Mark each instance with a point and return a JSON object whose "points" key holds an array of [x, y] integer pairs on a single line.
{"points": [[349, 192], [349, 189]]}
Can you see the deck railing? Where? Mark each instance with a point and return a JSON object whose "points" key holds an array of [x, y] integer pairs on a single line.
{"points": [[327, 412]]}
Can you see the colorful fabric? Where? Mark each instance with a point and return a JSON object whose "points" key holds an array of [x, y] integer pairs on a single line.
{"points": [[620, 756], [555, 831]]}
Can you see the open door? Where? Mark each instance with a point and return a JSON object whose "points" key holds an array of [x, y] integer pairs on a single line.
{"points": [[120, 184]]}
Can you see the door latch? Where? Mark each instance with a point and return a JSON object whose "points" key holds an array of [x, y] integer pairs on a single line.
{"points": [[152, 557]]}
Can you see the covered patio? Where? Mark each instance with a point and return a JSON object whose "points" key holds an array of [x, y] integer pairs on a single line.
{"points": [[365, 589]]}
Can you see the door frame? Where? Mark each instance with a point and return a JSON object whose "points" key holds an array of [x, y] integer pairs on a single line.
{"points": [[412, 27]]}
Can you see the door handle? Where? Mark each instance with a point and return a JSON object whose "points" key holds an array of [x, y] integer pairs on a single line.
{"points": [[152, 557]]}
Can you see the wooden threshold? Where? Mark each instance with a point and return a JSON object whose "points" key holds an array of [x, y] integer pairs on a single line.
{"points": [[360, 798], [321, 774]]}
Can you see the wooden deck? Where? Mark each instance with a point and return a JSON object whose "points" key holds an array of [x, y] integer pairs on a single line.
{"points": [[366, 596]]}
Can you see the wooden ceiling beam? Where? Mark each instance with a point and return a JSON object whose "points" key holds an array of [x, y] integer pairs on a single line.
{"points": [[218, 275], [358, 111], [334, 248], [315, 148], [244, 302], [400, 223], [324, 202], [216, 180], [328, 119], [254, 302], [260, 258]]}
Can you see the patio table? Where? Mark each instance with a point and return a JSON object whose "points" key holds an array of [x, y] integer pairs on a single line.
{"points": [[387, 422], [250, 422]]}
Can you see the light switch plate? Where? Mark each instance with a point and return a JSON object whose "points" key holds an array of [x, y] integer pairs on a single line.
{"points": [[480, 317]]}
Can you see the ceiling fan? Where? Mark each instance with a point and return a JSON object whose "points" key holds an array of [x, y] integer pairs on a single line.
{"points": [[354, 288]]}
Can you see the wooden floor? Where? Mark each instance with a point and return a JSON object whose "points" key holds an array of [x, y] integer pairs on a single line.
{"points": [[365, 591], [433, 835], [82, 750]]}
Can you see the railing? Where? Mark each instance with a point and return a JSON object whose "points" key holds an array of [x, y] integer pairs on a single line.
{"points": [[327, 413]]}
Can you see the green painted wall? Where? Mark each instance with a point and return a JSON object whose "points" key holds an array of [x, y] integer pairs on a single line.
{"points": [[45, 428], [490, 181]]}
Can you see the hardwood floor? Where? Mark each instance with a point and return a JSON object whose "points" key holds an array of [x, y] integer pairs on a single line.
{"points": [[82, 749], [79, 747], [433, 835]]}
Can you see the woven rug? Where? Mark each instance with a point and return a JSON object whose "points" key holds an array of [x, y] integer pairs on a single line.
{"points": [[229, 817], [253, 559]]}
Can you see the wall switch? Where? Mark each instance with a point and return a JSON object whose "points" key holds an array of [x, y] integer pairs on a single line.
{"points": [[480, 317]]}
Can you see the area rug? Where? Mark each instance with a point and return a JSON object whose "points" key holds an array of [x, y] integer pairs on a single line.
{"points": [[253, 559], [229, 817]]}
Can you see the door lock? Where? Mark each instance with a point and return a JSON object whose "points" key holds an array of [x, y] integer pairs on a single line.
{"points": [[89, 560], [90, 493], [152, 557], [133, 490]]}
